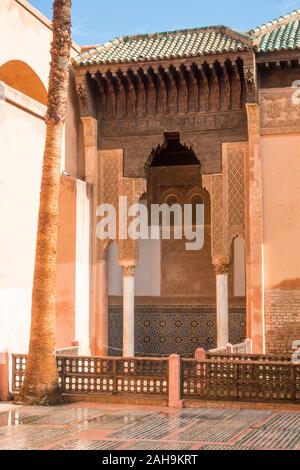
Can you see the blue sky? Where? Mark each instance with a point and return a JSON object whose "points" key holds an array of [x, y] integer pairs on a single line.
{"points": [[97, 21]]}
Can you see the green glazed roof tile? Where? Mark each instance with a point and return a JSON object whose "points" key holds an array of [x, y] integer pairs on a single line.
{"points": [[284, 38], [280, 34], [176, 44], [283, 33]]}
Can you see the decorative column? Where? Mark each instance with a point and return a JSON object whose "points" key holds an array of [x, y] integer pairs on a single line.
{"points": [[113, 185], [128, 310], [101, 317], [222, 272]]}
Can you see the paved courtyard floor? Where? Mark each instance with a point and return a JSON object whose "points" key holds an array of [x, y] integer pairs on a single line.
{"points": [[112, 427]]}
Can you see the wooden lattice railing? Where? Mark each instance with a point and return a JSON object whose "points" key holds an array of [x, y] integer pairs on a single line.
{"points": [[68, 352], [239, 377], [260, 381], [108, 376], [249, 357]]}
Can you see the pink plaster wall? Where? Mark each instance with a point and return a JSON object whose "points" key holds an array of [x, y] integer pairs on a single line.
{"points": [[22, 139], [281, 203], [32, 36], [22, 135], [66, 264]]}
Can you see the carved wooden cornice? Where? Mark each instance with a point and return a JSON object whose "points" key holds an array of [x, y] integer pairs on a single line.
{"points": [[165, 89]]}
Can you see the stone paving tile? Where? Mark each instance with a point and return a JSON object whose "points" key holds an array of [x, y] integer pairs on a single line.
{"points": [[207, 414], [55, 416], [111, 421], [222, 447], [270, 439], [80, 444], [157, 428], [84, 427], [285, 422], [158, 445], [225, 429], [32, 439]]}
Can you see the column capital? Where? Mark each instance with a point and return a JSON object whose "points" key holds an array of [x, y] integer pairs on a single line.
{"points": [[128, 270], [221, 268]]}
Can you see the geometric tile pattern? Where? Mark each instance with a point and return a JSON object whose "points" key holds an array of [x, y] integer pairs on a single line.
{"points": [[180, 329], [112, 427]]}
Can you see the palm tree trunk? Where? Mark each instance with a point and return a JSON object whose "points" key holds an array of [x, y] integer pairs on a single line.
{"points": [[41, 378]]}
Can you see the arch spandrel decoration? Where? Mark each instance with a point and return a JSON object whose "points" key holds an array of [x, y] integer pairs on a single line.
{"points": [[112, 185], [227, 193]]}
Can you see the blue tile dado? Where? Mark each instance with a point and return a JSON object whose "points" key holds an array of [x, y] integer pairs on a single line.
{"points": [[180, 329]]}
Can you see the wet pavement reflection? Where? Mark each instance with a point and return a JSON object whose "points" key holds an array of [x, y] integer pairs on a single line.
{"points": [[115, 427]]}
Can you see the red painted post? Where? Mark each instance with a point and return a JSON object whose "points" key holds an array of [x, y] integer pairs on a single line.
{"points": [[175, 400], [200, 355], [4, 376]]}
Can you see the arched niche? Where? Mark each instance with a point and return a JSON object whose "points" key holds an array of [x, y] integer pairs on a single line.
{"points": [[172, 153], [20, 76]]}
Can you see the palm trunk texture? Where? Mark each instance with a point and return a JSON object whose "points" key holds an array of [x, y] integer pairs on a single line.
{"points": [[41, 378]]}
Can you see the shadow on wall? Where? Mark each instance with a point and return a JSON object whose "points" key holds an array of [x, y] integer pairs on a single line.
{"points": [[22, 77]]}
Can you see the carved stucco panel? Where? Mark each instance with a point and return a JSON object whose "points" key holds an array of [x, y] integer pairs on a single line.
{"points": [[278, 112], [214, 185], [228, 200], [234, 189], [112, 185]]}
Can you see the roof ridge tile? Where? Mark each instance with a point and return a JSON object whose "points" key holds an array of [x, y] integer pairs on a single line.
{"points": [[274, 24]]}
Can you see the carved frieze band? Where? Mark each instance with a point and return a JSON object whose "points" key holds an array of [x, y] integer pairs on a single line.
{"points": [[200, 121]]}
